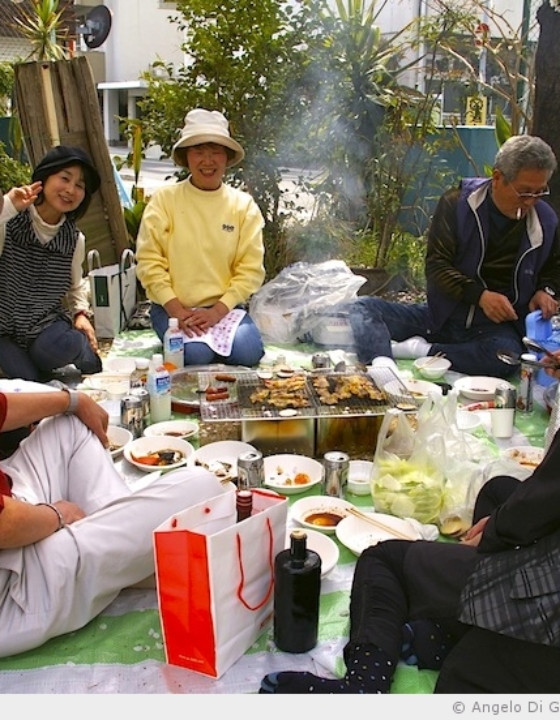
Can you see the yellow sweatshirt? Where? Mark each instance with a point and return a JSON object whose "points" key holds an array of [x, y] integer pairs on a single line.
{"points": [[200, 246]]}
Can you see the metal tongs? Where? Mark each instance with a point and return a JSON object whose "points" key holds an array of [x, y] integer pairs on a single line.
{"points": [[513, 358]]}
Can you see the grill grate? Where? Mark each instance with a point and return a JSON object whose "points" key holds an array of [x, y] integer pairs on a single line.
{"points": [[307, 400]]}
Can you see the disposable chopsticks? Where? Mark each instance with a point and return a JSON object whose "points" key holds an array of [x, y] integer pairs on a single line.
{"points": [[379, 525]]}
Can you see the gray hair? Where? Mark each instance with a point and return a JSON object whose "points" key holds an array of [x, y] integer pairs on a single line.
{"points": [[522, 152]]}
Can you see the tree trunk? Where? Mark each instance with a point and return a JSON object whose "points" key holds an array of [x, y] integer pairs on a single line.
{"points": [[547, 90]]}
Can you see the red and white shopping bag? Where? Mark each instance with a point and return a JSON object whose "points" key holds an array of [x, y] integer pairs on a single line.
{"points": [[215, 579]]}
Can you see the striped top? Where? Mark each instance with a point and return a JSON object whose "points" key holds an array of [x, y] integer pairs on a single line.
{"points": [[34, 278]]}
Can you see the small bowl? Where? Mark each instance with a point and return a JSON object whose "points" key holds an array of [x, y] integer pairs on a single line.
{"points": [[359, 477], [98, 395], [119, 438], [145, 446], [121, 366], [467, 420], [291, 474], [432, 368]]}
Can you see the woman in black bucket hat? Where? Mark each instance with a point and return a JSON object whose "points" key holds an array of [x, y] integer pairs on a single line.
{"points": [[44, 307]]}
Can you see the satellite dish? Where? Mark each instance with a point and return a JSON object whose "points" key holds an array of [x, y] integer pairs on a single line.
{"points": [[96, 27]]}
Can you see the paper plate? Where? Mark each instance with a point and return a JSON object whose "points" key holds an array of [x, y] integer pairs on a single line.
{"points": [[478, 387], [527, 456], [286, 473], [326, 548], [320, 513], [357, 534], [185, 429], [419, 389]]}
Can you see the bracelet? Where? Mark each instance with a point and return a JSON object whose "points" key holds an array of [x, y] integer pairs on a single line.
{"points": [[74, 399], [61, 522]]}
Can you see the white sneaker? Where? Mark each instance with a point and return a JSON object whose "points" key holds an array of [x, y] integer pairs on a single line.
{"points": [[410, 349]]}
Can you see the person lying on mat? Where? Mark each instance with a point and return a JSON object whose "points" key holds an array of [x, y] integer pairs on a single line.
{"points": [[483, 612], [72, 533], [200, 248], [493, 256], [44, 307]]}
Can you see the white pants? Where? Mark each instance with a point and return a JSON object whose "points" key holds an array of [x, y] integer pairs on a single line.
{"points": [[60, 583]]}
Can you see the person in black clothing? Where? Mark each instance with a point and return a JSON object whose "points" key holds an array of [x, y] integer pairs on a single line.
{"points": [[493, 256]]}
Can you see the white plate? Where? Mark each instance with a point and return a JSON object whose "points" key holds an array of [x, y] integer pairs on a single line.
{"points": [[326, 548], [302, 509], [173, 428], [359, 477], [357, 534], [120, 437], [419, 389], [478, 387], [121, 365], [145, 445], [220, 457], [281, 470], [527, 456]]}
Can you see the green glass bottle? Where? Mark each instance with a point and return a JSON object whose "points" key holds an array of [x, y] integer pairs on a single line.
{"points": [[297, 587]]}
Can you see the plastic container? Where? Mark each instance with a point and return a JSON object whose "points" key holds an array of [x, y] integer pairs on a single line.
{"points": [[543, 332], [173, 344], [159, 388]]}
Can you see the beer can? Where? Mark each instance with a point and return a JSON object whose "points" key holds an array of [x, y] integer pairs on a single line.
{"points": [[527, 379], [250, 470], [505, 396], [132, 415], [320, 361], [336, 473], [144, 395]]}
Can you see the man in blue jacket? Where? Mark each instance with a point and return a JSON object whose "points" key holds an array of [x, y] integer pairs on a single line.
{"points": [[493, 256]]}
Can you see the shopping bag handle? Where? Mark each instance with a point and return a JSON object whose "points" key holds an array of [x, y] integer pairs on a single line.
{"points": [[241, 586], [92, 258], [127, 254]]}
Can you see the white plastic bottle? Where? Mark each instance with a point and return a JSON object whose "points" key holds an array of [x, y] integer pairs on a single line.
{"points": [[173, 344], [159, 387]]}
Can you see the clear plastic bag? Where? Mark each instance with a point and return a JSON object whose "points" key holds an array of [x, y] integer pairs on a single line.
{"points": [[294, 302]]}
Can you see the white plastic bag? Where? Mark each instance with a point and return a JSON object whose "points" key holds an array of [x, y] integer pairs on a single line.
{"points": [[294, 302]]}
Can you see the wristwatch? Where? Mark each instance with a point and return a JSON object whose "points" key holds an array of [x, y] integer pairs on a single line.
{"points": [[74, 400], [549, 291]]}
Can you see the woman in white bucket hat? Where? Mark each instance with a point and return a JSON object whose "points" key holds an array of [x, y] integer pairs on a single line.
{"points": [[200, 249]]}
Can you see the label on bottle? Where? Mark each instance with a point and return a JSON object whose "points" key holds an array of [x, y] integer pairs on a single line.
{"points": [[175, 343]]}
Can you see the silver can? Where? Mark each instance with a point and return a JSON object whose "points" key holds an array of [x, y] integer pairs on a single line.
{"points": [[144, 395], [526, 383], [320, 361], [336, 473], [132, 415], [250, 470], [505, 396]]}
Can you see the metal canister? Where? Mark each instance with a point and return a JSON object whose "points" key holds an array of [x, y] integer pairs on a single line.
{"points": [[320, 361], [132, 415], [144, 395], [336, 473], [250, 470], [527, 379], [505, 396]]}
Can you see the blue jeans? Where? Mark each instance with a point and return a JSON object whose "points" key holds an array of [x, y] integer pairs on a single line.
{"points": [[247, 348], [59, 344], [375, 322]]}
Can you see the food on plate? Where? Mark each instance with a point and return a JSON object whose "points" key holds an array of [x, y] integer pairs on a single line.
{"points": [[220, 468], [528, 458], [323, 518], [299, 478], [113, 446], [159, 458]]}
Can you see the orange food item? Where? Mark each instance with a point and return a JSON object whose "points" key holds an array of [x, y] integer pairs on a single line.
{"points": [[169, 366], [302, 479], [145, 459]]}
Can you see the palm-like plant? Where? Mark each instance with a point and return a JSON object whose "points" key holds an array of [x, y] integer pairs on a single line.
{"points": [[44, 28]]}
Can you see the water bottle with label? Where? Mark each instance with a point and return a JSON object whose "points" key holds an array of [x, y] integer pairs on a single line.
{"points": [[173, 344], [159, 388]]}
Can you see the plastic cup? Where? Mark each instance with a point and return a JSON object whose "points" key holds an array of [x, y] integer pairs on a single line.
{"points": [[501, 420]]}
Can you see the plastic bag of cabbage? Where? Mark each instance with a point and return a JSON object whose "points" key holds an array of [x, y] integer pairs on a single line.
{"points": [[409, 486]]}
